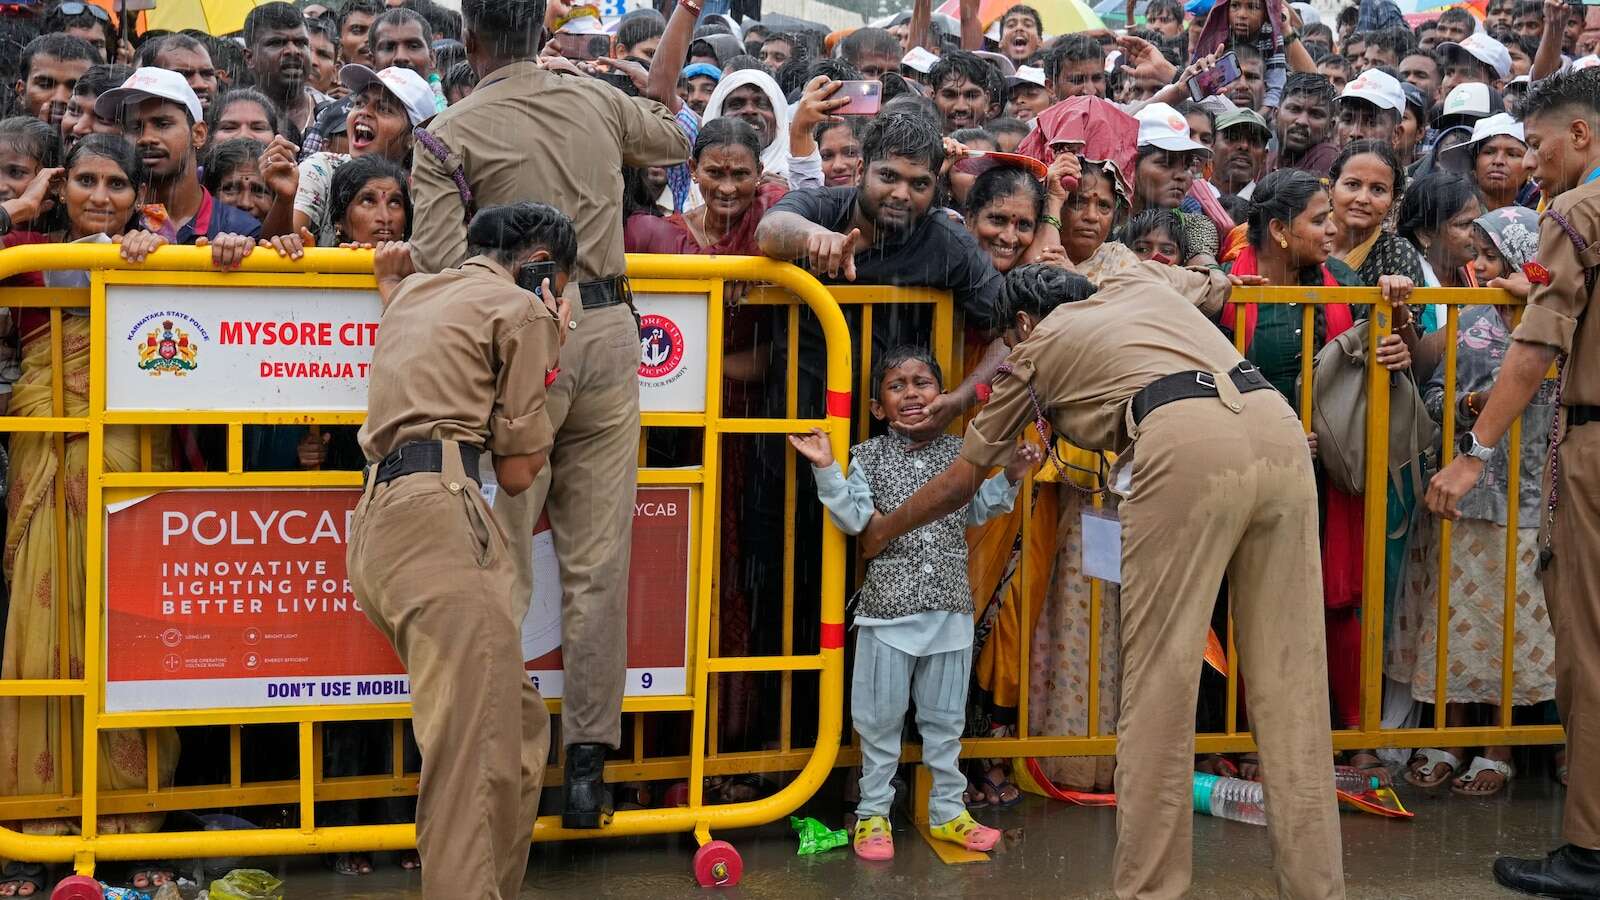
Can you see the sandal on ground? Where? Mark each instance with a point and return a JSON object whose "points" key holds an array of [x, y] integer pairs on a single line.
{"points": [[974, 797], [1367, 763], [349, 863], [1482, 765], [19, 875], [1004, 794], [410, 860], [873, 841], [967, 832], [153, 876], [1423, 771]]}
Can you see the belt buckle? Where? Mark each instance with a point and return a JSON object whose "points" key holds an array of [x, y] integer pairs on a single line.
{"points": [[1247, 367], [1206, 380]]}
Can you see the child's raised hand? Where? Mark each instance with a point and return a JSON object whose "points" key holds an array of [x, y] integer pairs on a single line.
{"points": [[1023, 459], [814, 446]]}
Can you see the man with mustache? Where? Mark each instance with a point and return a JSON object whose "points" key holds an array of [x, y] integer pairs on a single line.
{"points": [[278, 52], [401, 37], [1304, 120], [50, 66], [963, 87], [1240, 152]]}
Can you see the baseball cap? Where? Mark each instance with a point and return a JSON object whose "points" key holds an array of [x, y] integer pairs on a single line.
{"points": [[999, 61], [407, 86], [698, 70], [1162, 126], [1027, 75], [145, 83], [919, 59], [1415, 98], [1466, 104], [1242, 117], [1484, 49], [1378, 88], [1500, 124]]}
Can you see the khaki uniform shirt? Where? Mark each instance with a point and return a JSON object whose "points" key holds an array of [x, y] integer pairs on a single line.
{"points": [[1555, 314], [461, 356], [1087, 359], [528, 134]]}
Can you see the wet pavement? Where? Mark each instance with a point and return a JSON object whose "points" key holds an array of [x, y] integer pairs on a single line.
{"points": [[1051, 850]]}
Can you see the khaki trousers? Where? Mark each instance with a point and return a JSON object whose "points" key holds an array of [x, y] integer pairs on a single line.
{"points": [[1572, 593], [430, 569], [588, 489], [1222, 491]]}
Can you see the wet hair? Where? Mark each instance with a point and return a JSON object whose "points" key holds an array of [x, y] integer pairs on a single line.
{"points": [[373, 8], [1527, 8], [222, 160], [1237, 207], [1194, 108], [59, 46], [271, 17], [447, 54], [1075, 47], [460, 76], [1007, 125], [325, 28], [1461, 17], [969, 135], [637, 194], [1398, 42], [96, 80], [1038, 288], [508, 27], [899, 356], [911, 103], [443, 23], [1280, 197], [1245, 51], [855, 124], [1171, 7], [724, 131], [1319, 30], [1151, 220], [1384, 151], [504, 233], [220, 106], [350, 178], [962, 64], [396, 17], [833, 67], [149, 50], [228, 57], [862, 41], [741, 62], [907, 136], [32, 138], [1001, 182], [1434, 199], [1576, 93], [1314, 85], [56, 22], [114, 148], [640, 26]]}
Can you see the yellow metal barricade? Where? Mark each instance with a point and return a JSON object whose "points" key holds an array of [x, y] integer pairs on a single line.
{"points": [[341, 270]]}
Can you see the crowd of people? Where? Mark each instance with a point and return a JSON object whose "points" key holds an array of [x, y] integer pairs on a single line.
{"points": [[1264, 140]]}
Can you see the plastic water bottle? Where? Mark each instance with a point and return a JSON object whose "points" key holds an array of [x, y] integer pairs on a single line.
{"points": [[1352, 780], [1229, 798]]}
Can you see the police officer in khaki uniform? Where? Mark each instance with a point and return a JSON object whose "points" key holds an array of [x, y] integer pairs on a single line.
{"points": [[1221, 484], [1562, 118], [530, 134], [459, 369]]}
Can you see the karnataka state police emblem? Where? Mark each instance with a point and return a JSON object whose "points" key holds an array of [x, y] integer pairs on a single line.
{"points": [[167, 349]]}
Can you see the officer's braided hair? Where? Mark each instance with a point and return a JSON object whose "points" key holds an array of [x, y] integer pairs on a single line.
{"points": [[898, 356], [505, 233], [1037, 288]]}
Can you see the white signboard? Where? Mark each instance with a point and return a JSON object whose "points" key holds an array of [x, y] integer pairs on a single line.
{"points": [[204, 348], [672, 352]]}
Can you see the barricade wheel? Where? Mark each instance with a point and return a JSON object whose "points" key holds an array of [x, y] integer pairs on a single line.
{"points": [[77, 887], [717, 864]]}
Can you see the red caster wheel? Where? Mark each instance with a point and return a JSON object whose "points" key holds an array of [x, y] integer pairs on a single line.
{"points": [[717, 864], [677, 795], [77, 887]]}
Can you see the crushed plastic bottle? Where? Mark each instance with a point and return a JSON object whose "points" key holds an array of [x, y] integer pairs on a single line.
{"points": [[246, 884], [1229, 798]]}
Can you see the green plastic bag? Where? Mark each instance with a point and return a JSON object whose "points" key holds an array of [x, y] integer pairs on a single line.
{"points": [[246, 884], [816, 837]]}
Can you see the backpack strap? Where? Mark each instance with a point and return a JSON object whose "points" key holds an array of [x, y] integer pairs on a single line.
{"points": [[439, 150]]}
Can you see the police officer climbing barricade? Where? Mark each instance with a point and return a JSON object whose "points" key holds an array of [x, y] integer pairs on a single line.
{"points": [[459, 376], [530, 133]]}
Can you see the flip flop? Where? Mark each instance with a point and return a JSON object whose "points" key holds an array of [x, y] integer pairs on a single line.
{"points": [[1428, 760], [967, 832], [873, 840], [1000, 801], [1480, 765]]}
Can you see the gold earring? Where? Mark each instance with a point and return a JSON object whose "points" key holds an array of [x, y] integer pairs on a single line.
{"points": [[1283, 243]]}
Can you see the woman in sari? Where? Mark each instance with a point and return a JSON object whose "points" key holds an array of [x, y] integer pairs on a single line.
{"points": [[99, 196]]}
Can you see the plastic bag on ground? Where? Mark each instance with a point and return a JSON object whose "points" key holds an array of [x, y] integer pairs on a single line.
{"points": [[247, 884]]}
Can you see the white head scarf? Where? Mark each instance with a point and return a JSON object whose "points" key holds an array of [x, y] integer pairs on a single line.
{"points": [[774, 156]]}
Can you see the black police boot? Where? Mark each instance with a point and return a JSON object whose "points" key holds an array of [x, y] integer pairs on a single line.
{"points": [[1570, 872], [587, 800]]}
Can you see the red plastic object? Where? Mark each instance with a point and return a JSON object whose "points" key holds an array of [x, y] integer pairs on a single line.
{"points": [[677, 795], [717, 864], [77, 887]]}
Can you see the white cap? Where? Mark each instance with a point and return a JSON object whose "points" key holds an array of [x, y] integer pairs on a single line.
{"points": [[1027, 75], [1162, 126], [1378, 88], [1498, 125], [919, 59], [1471, 99], [999, 61], [1309, 15], [1484, 49], [145, 83], [407, 87]]}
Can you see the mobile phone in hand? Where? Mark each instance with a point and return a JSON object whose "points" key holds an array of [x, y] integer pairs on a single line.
{"points": [[865, 98], [1214, 79], [581, 46]]}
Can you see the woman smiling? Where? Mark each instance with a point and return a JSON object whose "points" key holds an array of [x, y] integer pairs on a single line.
{"points": [[1367, 183]]}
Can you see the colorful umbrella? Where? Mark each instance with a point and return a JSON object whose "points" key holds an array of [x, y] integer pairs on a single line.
{"points": [[218, 17], [1060, 16]]}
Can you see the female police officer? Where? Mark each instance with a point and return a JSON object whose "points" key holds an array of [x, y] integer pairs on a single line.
{"points": [[460, 367]]}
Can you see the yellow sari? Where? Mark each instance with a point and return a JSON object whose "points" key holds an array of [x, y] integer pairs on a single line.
{"points": [[30, 727]]}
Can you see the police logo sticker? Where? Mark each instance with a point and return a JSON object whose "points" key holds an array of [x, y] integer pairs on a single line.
{"points": [[170, 346], [660, 348]]}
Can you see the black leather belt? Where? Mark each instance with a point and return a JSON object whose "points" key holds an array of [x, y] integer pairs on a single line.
{"points": [[1187, 385], [605, 292], [1582, 415], [421, 456]]}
